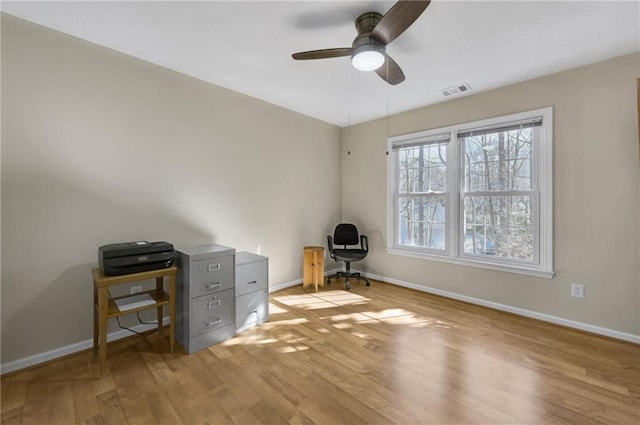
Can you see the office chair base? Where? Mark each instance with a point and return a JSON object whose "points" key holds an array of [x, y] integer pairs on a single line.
{"points": [[348, 276]]}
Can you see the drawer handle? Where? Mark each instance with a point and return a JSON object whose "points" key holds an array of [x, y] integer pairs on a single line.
{"points": [[252, 282], [213, 322], [214, 267], [213, 285], [214, 304]]}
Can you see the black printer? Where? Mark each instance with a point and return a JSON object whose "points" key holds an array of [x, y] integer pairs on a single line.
{"points": [[134, 257]]}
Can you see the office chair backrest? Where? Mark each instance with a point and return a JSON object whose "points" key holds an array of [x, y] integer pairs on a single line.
{"points": [[346, 234]]}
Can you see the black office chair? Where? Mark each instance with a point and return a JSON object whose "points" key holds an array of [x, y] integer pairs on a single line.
{"points": [[347, 235]]}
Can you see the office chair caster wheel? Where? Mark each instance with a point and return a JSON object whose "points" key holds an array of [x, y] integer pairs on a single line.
{"points": [[347, 286], [367, 283]]}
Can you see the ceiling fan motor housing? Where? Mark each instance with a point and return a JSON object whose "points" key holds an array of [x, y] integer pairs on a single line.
{"points": [[365, 43]]}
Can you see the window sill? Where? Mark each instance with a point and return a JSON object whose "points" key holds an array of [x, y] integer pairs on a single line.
{"points": [[529, 271]]}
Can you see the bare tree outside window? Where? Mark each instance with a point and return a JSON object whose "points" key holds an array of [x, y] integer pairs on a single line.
{"points": [[421, 199], [499, 193]]}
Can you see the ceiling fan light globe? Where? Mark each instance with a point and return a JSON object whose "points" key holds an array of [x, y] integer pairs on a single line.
{"points": [[368, 60]]}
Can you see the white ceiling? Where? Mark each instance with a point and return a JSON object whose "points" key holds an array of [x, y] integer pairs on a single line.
{"points": [[247, 46]]}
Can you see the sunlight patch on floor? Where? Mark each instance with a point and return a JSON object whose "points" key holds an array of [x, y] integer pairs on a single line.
{"points": [[342, 298], [274, 309], [342, 325], [362, 335], [336, 293], [339, 294], [271, 325], [293, 349], [305, 302], [290, 338], [298, 301], [354, 317], [385, 314], [324, 299], [267, 341], [411, 321], [354, 322]]}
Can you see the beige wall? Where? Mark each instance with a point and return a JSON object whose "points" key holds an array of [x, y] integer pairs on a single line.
{"points": [[99, 147], [596, 206]]}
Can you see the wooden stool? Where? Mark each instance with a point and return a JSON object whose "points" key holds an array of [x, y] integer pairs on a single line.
{"points": [[313, 270]]}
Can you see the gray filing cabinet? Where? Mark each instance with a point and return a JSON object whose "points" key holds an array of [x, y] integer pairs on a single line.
{"points": [[252, 290], [205, 296]]}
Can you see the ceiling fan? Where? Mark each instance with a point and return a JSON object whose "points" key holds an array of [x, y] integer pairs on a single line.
{"points": [[375, 32]]}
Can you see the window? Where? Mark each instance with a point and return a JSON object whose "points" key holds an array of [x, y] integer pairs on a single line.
{"points": [[421, 196], [476, 193]]}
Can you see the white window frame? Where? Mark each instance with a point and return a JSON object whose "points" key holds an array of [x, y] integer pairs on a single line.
{"points": [[542, 265]]}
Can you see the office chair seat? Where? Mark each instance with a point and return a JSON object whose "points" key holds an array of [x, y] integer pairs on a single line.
{"points": [[349, 254]]}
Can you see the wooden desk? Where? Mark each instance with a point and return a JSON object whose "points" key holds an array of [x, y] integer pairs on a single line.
{"points": [[105, 308]]}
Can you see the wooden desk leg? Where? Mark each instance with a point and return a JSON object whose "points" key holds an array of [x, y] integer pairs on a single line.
{"points": [[95, 319], [103, 304], [172, 312], [159, 287]]}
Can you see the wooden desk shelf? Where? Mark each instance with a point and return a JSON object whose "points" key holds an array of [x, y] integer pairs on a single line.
{"points": [[160, 297]]}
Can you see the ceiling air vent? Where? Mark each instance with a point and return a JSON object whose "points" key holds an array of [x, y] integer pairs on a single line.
{"points": [[460, 88]]}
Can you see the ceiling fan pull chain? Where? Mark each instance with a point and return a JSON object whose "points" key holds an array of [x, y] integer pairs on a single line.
{"points": [[349, 113]]}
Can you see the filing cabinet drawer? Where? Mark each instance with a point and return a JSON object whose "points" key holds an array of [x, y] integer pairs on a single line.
{"points": [[252, 309], [211, 275], [251, 277], [212, 311]]}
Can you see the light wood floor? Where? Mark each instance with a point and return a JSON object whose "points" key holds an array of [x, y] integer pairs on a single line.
{"points": [[378, 355]]}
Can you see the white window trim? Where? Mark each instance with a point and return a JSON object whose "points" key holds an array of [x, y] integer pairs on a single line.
{"points": [[544, 177]]}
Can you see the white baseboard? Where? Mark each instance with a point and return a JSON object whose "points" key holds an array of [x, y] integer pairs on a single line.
{"points": [[515, 310], [71, 349], [285, 285]]}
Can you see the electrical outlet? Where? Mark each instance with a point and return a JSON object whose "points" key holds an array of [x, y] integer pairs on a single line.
{"points": [[577, 290], [135, 289]]}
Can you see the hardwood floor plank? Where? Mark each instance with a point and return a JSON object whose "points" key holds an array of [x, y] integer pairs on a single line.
{"points": [[162, 410], [134, 381], [14, 392], [110, 410], [11, 416]]}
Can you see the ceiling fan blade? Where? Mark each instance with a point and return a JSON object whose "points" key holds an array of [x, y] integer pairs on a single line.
{"points": [[323, 53], [398, 19], [390, 71]]}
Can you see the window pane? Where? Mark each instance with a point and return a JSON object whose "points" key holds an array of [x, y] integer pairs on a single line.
{"points": [[499, 161], [422, 221], [422, 169], [500, 226]]}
